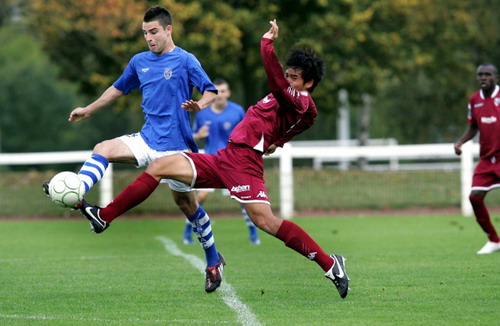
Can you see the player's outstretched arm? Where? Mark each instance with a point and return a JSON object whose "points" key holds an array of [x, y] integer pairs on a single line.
{"points": [[109, 96]]}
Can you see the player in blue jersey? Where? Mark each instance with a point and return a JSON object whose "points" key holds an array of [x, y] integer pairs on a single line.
{"points": [[214, 125], [166, 76]]}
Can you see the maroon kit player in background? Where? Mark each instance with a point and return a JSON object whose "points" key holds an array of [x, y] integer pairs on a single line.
{"points": [[484, 116], [284, 113]]}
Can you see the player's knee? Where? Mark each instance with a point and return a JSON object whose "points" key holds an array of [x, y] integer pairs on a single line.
{"points": [[476, 200], [102, 148], [186, 204], [266, 222]]}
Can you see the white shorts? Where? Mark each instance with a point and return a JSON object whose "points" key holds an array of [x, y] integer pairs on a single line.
{"points": [[145, 154]]}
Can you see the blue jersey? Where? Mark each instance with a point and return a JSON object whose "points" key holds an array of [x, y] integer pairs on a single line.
{"points": [[220, 125], [166, 81]]}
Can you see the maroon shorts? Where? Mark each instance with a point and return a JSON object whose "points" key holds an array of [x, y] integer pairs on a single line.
{"points": [[486, 175], [238, 168]]}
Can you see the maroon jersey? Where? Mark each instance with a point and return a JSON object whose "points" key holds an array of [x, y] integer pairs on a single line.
{"points": [[278, 117], [484, 113]]}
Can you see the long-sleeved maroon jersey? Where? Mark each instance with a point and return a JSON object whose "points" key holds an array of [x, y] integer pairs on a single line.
{"points": [[278, 117]]}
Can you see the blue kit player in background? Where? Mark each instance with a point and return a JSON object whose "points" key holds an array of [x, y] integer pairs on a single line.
{"points": [[214, 125], [166, 76]]}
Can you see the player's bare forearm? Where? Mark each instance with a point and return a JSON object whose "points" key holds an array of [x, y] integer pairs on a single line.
{"points": [[195, 106], [468, 135], [82, 113]]}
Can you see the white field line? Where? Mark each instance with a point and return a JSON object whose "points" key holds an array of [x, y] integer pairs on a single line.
{"points": [[226, 291]]}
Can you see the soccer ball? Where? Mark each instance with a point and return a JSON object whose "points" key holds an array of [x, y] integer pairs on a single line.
{"points": [[66, 189]]}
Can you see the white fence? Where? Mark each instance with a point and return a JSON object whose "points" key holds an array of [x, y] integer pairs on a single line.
{"points": [[286, 155]]}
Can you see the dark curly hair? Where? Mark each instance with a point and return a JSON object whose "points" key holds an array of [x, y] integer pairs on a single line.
{"points": [[160, 14], [309, 63]]}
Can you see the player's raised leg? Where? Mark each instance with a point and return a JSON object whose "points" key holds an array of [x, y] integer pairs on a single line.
{"points": [[297, 239], [168, 167]]}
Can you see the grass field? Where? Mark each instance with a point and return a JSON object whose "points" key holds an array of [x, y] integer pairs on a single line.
{"points": [[411, 270]]}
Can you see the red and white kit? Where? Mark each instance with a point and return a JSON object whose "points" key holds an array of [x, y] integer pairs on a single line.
{"points": [[484, 113]]}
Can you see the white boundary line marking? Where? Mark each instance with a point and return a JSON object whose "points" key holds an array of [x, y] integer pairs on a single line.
{"points": [[226, 291]]}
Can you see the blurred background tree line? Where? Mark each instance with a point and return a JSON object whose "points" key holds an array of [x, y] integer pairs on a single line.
{"points": [[414, 59]]}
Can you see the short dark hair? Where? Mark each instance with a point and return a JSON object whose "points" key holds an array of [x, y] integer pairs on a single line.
{"points": [[220, 81], [489, 64], [309, 63], [160, 14]]}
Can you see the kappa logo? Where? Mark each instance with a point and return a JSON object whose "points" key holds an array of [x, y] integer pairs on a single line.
{"points": [[488, 120], [240, 188], [167, 73], [497, 101], [312, 255], [145, 69], [266, 100], [262, 194]]}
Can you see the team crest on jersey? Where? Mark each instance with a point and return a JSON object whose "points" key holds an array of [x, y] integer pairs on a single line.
{"points": [[227, 125], [497, 101], [167, 73]]}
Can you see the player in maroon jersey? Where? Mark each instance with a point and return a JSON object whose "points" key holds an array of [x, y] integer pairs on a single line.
{"points": [[284, 113], [484, 117]]}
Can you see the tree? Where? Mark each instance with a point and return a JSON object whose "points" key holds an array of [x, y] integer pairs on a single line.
{"points": [[414, 58], [33, 102]]}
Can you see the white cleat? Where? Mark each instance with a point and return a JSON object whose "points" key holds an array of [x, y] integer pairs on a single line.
{"points": [[489, 247]]}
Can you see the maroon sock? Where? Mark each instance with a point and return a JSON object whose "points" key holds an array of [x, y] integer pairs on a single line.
{"points": [[133, 195], [483, 218], [297, 239]]}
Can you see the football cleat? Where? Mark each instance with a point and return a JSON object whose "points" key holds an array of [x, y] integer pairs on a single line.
{"points": [[489, 248], [338, 275], [45, 188], [214, 275], [92, 214]]}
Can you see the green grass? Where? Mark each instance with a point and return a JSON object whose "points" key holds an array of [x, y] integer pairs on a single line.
{"points": [[413, 270]]}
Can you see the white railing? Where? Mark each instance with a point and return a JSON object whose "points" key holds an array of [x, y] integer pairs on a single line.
{"points": [[286, 155], [375, 153], [105, 185]]}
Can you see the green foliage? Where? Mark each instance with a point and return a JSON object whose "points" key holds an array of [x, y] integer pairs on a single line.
{"points": [[33, 103], [417, 59]]}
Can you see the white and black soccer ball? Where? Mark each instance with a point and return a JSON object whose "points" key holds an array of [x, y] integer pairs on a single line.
{"points": [[66, 189]]}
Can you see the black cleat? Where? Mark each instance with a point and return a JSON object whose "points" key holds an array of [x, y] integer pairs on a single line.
{"points": [[92, 214], [45, 187], [214, 275], [338, 275]]}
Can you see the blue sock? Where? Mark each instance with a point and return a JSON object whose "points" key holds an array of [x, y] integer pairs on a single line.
{"points": [[188, 229], [93, 170], [252, 229], [203, 230]]}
